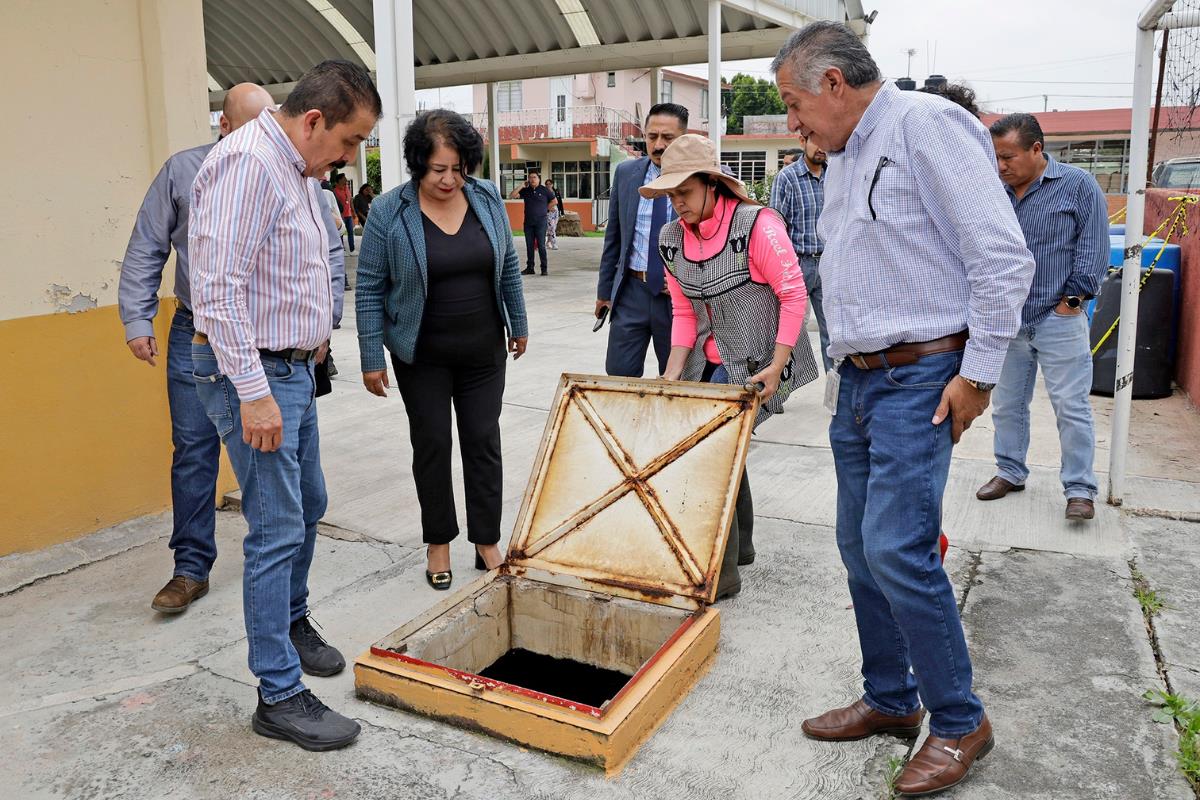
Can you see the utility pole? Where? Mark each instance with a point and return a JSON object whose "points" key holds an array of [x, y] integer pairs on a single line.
{"points": [[1045, 102], [912, 51]]}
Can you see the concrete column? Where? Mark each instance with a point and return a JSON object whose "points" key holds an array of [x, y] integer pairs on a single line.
{"points": [[395, 72], [714, 72], [175, 70], [493, 126], [655, 76]]}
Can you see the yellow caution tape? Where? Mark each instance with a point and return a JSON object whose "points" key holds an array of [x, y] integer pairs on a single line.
{"points": [[1176, 220]]}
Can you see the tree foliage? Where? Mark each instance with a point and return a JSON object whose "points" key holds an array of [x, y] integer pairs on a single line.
{"points": [[747, 95]]}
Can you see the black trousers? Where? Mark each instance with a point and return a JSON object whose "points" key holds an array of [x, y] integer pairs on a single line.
{"points": [[476, 394], [535, 233]]}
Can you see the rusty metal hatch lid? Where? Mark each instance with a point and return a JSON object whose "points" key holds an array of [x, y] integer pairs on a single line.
{"points": [[633, 488]]}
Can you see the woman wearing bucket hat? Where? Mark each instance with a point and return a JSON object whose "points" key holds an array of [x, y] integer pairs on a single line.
{"points": [[738, 299]]}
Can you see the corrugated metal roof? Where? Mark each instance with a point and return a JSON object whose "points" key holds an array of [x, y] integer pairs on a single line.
{"points": [[273, 42]]}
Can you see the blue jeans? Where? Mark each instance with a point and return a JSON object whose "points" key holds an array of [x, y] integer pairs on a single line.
{"points": [[349, 223], [892, 464], [195, 461], [283, 498], [1059, 344], [809, 266]]}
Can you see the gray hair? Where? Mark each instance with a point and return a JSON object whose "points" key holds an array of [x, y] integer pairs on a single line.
{"points": [[819, 46]]}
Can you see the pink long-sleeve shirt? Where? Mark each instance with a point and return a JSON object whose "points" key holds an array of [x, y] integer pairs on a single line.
{"points": [[772, 261]]}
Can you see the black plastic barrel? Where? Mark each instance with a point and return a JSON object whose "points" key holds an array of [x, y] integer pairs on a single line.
{"points": [[1156, 323]]}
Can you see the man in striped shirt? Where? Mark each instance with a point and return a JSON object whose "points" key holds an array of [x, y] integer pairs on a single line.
{"points": [[1065, 220], [798, 195], [263, 308]]}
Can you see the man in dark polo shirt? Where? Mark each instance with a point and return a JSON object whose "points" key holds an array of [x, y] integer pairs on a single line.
{"points": [[537, 205]]}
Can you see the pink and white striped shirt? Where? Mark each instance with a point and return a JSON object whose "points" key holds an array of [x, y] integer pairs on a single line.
{"points": [[259, 253]]}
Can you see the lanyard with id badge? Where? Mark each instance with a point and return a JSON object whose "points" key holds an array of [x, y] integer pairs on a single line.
{"points": [[833, 387]]}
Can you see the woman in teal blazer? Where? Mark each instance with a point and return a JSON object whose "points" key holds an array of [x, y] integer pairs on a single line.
{"points": [[439, 287]]}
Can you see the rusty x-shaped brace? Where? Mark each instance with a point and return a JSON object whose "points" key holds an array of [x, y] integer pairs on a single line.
{"points": [[635, 480]]}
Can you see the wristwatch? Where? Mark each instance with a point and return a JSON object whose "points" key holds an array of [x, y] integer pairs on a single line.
{"points": [[1073, 301], [979, 385]]}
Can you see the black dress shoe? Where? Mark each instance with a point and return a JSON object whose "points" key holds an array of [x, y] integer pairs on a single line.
{"points": [[479, 563], [528, 271], [317, 656], [305, 720], [439, 580]]}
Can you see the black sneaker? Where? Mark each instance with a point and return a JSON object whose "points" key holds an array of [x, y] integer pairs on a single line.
{"points": [[305, 720], [317, 657], [527, 271]]}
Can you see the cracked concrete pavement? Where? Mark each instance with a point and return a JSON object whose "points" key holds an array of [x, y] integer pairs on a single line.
{"points": [[102, 698]]}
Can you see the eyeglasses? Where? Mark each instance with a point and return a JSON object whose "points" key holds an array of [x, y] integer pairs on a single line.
{"points": [[884, 161]]}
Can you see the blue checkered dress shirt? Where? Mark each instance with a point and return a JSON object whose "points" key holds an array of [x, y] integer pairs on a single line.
{"points": [[920, 238], [1065, 221], [798, 196], [641, 231]]}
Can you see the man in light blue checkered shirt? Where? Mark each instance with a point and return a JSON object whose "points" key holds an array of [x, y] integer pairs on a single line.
{"points": [[921, 248], [798, 195]]}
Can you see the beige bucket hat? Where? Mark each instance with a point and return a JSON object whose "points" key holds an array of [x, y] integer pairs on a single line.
{"points": [[691, 154]]}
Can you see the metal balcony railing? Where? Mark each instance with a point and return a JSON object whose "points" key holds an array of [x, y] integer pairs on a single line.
{"points": [[575, 122]]}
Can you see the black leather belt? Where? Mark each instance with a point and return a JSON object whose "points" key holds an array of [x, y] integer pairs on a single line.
{"points": [[292, 354]]}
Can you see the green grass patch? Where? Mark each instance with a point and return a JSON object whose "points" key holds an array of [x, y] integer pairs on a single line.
{"points": [[890, 773], [1185, 715], [1149, 600]]}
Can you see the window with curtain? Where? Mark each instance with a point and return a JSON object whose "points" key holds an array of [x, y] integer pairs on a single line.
{"points": [[666, 92], [508, 96]]}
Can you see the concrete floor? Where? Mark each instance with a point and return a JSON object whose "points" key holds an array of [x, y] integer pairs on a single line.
{"points": [[102, 698]]}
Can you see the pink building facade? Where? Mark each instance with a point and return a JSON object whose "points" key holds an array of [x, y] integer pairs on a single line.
{"points": [[577, 128]]}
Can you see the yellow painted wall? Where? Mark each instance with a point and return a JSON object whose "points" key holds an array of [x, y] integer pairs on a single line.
{"points": [[88, 442], [99, 94]]}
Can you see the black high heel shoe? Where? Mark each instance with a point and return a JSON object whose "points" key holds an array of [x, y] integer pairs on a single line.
{"points": [[439, 580], [479, 564]]}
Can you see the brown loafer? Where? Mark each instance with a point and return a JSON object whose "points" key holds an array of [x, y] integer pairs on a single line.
{"points": [[997, 487], [942, 763], [1080, 508], [858, 721], [178, 594]]}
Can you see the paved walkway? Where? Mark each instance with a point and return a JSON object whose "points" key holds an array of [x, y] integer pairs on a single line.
{"points": [[104, 699]]}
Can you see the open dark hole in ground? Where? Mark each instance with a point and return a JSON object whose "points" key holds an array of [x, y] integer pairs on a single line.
{"points": [[561, 677]]}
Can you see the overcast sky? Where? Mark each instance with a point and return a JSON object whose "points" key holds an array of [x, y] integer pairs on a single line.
{"points": [[1078, 52]]}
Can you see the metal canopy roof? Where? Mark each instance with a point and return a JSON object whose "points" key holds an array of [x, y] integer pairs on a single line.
{"points": [[273, 42]]}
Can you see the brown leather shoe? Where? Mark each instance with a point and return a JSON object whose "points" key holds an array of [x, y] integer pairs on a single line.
{"points": [[942, 763], [178, 594], [1080, 508], [997, 487], [858, 721]]}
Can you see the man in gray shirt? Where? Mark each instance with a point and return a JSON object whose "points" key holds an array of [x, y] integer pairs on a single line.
{"points": [[162, 223]]}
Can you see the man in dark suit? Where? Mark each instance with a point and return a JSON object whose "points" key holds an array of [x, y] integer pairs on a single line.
{"points": [[631, 282]]}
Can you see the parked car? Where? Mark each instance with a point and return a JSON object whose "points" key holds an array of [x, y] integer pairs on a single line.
{"points": [[1177, 173]]}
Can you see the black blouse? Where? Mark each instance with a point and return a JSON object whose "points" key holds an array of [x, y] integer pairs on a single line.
{"points": [[462, 323]]}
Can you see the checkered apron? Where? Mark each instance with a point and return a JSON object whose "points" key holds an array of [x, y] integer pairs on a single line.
{"points": [[741, 315]]}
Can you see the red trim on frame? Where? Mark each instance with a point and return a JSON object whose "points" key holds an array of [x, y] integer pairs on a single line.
{"points": [[470, 678]]}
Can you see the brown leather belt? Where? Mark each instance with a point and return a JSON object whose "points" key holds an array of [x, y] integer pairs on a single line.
{"points": [[639, 274], [908, 352], [291, 354]]}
